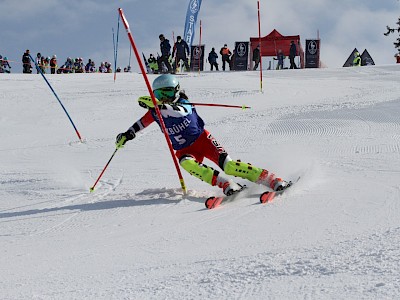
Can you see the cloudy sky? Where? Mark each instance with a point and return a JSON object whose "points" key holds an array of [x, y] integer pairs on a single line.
{"points": [[83, 28]]}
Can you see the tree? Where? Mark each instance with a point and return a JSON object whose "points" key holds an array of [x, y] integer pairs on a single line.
{"points": [[392, 30]]}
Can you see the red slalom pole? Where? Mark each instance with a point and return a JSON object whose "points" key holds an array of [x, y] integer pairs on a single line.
{"points": [[153, 99], [259, 41], [101, 174]]}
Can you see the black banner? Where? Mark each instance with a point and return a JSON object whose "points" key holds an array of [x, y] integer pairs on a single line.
{"points": [[196, 57], [241, 56], [349, 61], [366, 59], [312, 54]]}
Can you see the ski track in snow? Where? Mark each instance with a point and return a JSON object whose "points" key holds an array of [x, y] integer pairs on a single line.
{"points": [[334, 235]]}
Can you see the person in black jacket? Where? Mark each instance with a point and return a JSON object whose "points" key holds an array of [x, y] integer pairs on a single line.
{"points": [[165, 48], [26, 63], [182, 53], [256, 57], [212, 59], [292, 55]]}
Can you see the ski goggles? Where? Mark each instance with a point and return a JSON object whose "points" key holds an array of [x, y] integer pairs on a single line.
{"points": [[168, 93]]}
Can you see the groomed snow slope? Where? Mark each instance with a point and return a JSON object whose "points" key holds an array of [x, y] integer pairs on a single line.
{"points": [[334, 235]]}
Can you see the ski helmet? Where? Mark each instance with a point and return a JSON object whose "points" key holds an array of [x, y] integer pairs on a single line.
{"points": [[166, 87]]}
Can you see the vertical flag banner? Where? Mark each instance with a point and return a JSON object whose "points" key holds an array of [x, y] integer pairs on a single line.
{"points": [[191, 18]]}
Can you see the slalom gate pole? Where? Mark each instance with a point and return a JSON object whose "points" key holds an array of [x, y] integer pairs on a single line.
{"points": [[153, 98], [221, 105], [199, 47], [59, 101], [116, 51], [259, 41], [101, 174]]}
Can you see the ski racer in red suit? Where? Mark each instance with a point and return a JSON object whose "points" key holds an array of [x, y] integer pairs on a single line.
{"points": [[192, 142]]}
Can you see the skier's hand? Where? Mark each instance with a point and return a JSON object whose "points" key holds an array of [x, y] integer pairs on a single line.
{"points": [[122, 138], [146, 102]]}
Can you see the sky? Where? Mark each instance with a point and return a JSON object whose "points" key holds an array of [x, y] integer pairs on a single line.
{"points": [[83, 28]]}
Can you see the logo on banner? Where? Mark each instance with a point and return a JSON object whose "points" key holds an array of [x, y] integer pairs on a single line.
{"points": [[197, 52], [194, 6], [241, 49], [312, 47]]}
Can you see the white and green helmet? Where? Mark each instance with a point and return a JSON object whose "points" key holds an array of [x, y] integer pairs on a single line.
{"points": [[166, 87]]}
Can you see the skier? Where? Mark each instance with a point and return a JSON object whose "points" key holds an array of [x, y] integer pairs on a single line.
{"points": [[192, 142]]}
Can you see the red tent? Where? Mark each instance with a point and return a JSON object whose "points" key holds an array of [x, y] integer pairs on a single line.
{"points": [[274, 41]]}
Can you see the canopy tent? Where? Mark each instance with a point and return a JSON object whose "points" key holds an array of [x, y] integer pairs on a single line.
{"points": [[274, 41]]}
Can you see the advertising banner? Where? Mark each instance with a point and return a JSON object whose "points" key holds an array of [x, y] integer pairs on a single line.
{"points": [[190, 23], [312, 53]]}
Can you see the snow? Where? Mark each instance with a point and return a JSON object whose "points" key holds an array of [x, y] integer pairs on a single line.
{"points": [[334, 235]]}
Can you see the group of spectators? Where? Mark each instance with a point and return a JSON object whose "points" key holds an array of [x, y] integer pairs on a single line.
{"points": [[70, 66], [162, 64]]}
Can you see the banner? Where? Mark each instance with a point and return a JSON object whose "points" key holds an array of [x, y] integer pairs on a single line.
{"points": [[191, 18], [196, 57], [312, 53], [366, 59], [349, 61], [241, 57]]}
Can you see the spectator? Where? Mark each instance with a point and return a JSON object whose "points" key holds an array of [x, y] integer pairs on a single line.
{"points": [[1, 64], [165, 48], [118, 70], [38, 62], [78, 65], [53, 64], [292, 55], [280, 58], [256, 57], [46, 64], [226, 54], [90, 66], [397, 58], [5, 66], [212, 59], [357, 59], [26, 63], [182, 53], [68, 66], [108, 67], [102, 68], [153, 64]]}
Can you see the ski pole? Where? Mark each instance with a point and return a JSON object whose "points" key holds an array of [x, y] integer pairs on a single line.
{"points": [[153, 98], [59, 101], [101, 174], [221, 105]]}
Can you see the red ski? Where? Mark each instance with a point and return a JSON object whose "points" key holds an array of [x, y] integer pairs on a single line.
{"points": [[213, 202]]}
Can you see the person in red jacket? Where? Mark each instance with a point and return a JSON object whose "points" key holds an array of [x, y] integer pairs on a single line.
{"points": [[226, 54]]}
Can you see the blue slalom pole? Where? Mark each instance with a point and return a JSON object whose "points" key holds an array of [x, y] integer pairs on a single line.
{"points": [[45, 79], [116, 50]]}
